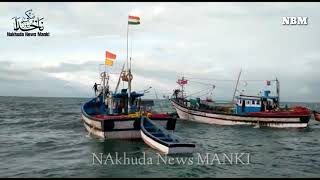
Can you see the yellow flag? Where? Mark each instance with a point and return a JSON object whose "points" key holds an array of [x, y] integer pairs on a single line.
{"points": [[108, 62]]}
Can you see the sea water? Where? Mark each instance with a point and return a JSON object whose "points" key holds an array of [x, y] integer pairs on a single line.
{"points": [[44, 137]]}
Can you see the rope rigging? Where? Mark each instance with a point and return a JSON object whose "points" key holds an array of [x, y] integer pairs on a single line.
{"points": [[232, 80], [201, 93]]}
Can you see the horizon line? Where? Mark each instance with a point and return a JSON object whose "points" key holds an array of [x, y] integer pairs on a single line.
{"points": [[149, 98]]}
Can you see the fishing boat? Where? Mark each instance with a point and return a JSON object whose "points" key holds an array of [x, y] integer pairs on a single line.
{"points": [[113, 121], [316, 115], [117, 114], [262, 110], [160, 139]]}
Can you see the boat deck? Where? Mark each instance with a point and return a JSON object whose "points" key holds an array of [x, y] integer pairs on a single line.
{"points": [[123, 116], [296, 111]]}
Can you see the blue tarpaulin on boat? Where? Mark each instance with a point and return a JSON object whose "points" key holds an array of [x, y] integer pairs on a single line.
{"points": [[125, 94]]}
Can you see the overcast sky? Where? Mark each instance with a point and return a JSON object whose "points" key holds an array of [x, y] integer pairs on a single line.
{"points": [[199, 40]]}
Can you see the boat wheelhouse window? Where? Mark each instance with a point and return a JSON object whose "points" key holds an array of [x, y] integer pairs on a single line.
{"points": [[258, 102], [253, 102]]}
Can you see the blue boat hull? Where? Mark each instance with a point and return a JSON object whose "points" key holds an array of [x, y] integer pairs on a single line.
{"points": [[113, 127], [161, 140]]}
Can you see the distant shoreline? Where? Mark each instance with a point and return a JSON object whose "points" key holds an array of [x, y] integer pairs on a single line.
{"points": [[47, 97], [224, 101]]}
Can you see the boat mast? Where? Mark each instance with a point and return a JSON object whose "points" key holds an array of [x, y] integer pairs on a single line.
{"points": [[127, 46], [130, 50], [115, 91], [158, 99], [278, 91], [235, 90], [182, 87], [104, 84], [128, 73]]}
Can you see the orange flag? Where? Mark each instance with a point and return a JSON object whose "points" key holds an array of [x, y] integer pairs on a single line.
{"points": [[110, 57]]}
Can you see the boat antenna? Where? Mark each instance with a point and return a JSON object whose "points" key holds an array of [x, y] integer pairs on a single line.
{"points": [[235, 90]]}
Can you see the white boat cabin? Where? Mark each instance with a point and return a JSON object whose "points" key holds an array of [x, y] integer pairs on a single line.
{"points": [[246, 104]]}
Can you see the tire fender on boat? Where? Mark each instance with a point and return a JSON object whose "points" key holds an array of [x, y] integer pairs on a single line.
{"points": [[108, 125], [136, 123], [171, 124]]}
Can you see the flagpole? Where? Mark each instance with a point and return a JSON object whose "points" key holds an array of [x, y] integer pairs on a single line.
{"points": [[104, 84], [127, 44], [130, 51], [128, 71]]}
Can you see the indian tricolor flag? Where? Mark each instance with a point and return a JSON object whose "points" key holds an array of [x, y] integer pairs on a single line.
{"points": [[134, 20], [110, 57]]}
